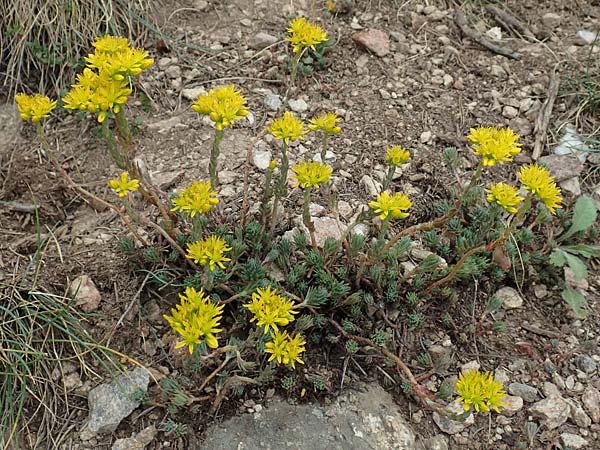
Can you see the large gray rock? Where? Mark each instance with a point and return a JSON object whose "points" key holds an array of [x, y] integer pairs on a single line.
{"points": [[562, 167], [554, 411], [138, 441], [10, 123], [110, 403], [367, 420]]}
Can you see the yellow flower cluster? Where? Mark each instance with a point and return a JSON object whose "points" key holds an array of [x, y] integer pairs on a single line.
{"points": [[304, 34], [505, 195], [287, 128], [480, 391], [270, 309], [394, 205], [195, 318], [285, 349], [311, 174], [224, 105], [327, 123], [197, 198], [209, 251], [494, 144], [396, 156], [123, 185], [103, 85], [537, 180], [34, 107]]}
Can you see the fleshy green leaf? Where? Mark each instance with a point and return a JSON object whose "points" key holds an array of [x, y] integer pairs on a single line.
{"points": [[577, 266], [557, 258], [584, 216], [576, 301], [585, 250]]}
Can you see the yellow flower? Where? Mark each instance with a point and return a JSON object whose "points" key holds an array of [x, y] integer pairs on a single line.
{"points": [[209, 251], [111, 44], [325, 122], [396, 156], [395, 205], [114, 57], [505, 195], [494, 144], [272, 165], [123, 184], [288, 128], [537, 180], [270, 309], [480, 391], [34, 107], [194, 318], [224, 105], [311, 174], [303, 34], [285, 349], [197, 198]]}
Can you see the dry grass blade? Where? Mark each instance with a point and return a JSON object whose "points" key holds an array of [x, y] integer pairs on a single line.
{"points": [[42, 42]]}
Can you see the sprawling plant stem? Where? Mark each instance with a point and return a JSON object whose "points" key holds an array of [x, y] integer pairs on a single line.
{"points": [[214, 159]]}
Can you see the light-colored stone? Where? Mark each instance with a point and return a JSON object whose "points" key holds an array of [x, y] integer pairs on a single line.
{"points": [[425, 137], [585, 37], [437, 442], [512, 405], [471, 365], [86, 294], [554, 411], [166, 125], [510, 112], [450, 426], [193, 93], [526, 392], [110, 403], [510, 298], [562, 167], [298, 105], [138, 441], [374, 40], [551, 20], [571, 185], [326, 227], [573, 441], [262, 159], [173, 71], [370, 186], [359, 420], [261, 40], [272, 101], [10, 123], [591, 402]]}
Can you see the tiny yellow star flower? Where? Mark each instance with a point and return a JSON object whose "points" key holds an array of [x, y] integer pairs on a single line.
{"points": [[34, 107], [311, 174], [270, 309], [327, 123], [111, 44], [272, 165], [505, 195], [287, 128], [123, 185], [194, 318], [224, 105], [285, 349], [494, 144], [197, 198], [391, 205], [396, 156], [209, 251], [304, 34], [537, 180], [480, 391]]}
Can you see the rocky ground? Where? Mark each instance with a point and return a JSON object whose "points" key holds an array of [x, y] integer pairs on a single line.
{"points": [[398, 73]]}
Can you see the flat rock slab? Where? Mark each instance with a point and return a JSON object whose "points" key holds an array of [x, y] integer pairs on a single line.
{"points": [[365, 420]]}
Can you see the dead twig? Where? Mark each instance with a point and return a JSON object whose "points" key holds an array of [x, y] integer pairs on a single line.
{"points": [[461, 21], [231, 382], [18, 206], [543, 118], [510, 23]]}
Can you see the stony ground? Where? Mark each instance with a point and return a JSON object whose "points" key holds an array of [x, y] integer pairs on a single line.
{"points": [[422, 84]]}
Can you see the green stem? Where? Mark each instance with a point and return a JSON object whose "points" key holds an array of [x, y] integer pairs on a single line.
{"points": [[196, 233], [109, 137], [382, 232], [266, 196], [209, 278], [214, 159], [281, 187], [308, 223], [388, 178], [125, 134], [324, 148]]}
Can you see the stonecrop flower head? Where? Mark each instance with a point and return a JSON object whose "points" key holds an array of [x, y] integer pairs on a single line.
{"points": [[197, 198], [505, 195], [327, 123], [311, 174], [494, 144], [209, 251], [103, 84], [480, 391], [195, 318], [395, 206], [287, 128], [537, 180], [224, 105], [34, 107], [270, 309], [285, 349], [123, 184], [396, 156], [302, 34]]}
